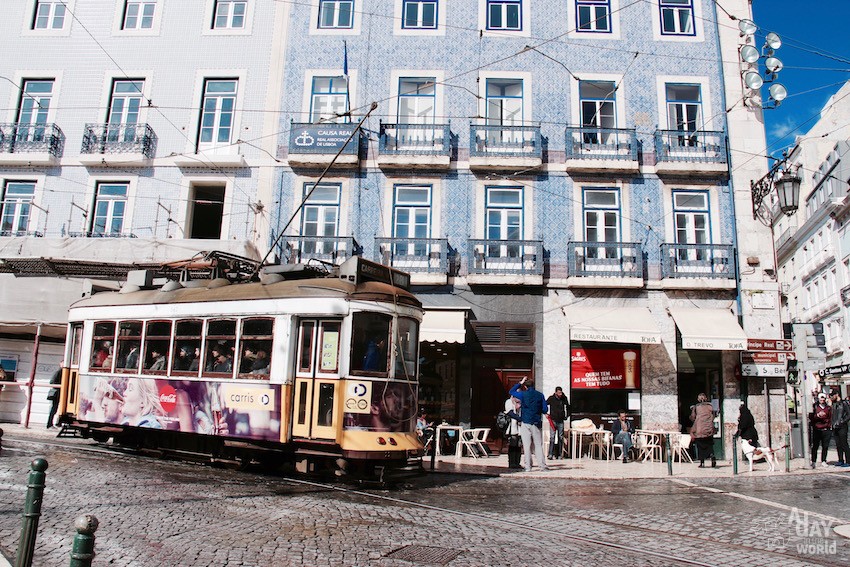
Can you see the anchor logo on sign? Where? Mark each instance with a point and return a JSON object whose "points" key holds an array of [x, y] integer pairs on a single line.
{"points": [[304, 139]]}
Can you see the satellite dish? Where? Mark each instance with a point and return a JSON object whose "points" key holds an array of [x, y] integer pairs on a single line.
{"points": [[749, 54], [753, 80]]}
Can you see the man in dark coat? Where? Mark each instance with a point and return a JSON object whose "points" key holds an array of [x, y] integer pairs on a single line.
{"points": [[53, 396], [821, 420], [559, 411], [840, 417], [747, 426]]}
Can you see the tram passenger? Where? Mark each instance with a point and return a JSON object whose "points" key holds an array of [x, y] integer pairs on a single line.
{"points": [[158, 360], [222, 362], [100, 354], [374, 359], [141, 405], [249, 355], [196, 361], [183, 361], [261, 363]]}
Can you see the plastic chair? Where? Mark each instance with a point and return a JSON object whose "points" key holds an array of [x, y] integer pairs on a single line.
{"points": [[469, 441], [680, 442], [649, 445], [601, 444], [481, 434]]}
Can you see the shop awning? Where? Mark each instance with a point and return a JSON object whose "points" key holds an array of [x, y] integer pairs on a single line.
{"points": [[709, 329], [443, 326], [613, 325]]}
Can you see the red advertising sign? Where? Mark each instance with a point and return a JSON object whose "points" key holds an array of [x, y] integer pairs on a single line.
{"points": [[605, 369]]}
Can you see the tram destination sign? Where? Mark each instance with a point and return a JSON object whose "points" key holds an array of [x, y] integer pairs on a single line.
{"points": [[770, 344], [834, 370]]}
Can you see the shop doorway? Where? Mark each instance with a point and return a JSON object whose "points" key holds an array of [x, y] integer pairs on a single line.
{"points": [[700, 371], [493, 376]]}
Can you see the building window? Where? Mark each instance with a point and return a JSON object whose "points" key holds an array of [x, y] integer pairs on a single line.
{"points": [[206, 211], [411, 218], [419, 14], [504, 15], [110, 204], [125, 102], [684, 111], [229, 14], [34, 106], [138, 14], [49, 15], [601, 221], [329, 99], [504, 220], [336, 14], [320, 219], [677, 17], [17, 200], [597, 102], [593, 16], [217, 111], [504, 102], [691, 218], [417, 100]]}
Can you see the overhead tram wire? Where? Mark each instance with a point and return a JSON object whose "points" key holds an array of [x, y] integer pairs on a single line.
{"points": [[313, 188]]}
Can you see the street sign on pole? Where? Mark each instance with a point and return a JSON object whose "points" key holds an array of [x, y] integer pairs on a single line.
{"points": [[766, 357], [763, 370], [834, 370], [770, 344]]}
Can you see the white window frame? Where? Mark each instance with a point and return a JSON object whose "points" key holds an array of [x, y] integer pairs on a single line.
{"points": [[398, 20], [28, 23], [321, 207], [110, 213], [21, 207], [187, 185], [209, 19], [343, 96], [574, 18], [118, 27], [620, 96], [356, 16], [658, 35], [53, 9], [388, 202], [524, 15], [412, 207], [307, 97], [336, 13], [713, 209], [141, 7], [419, 6], [229, 15], [601, 211], [710, 118]]}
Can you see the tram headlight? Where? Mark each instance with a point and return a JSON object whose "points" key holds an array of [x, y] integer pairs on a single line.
{"points": [[393, 442], [382, 441]]}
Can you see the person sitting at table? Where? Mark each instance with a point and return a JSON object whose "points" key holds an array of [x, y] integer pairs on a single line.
{"points": [[622, 431]]}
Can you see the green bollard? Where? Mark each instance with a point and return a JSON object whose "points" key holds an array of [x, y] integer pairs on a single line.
{"points": [[669, 455], [82, 553], [32, 512], [734, 454], [787, 452]]}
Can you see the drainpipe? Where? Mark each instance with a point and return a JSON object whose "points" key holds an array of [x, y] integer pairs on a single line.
{"points": [[31, 382]]}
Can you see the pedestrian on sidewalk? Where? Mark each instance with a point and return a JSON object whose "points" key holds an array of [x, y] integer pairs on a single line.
{"points": [[702, 430], [532, 405], [559, 411], [513, 410], [840, 417], [821, 420], [53, 396], [747, 426]]}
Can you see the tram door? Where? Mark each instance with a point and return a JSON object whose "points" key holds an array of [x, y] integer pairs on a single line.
{"points": [[68, 398], [317, 380]]}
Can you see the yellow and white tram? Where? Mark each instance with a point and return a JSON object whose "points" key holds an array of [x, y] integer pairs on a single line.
{"points": [[314, 371]]}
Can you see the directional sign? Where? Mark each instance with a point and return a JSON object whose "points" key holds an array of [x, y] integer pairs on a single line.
{"points": [[834, 370], [769, 344], [766, 357], [763, 370]]}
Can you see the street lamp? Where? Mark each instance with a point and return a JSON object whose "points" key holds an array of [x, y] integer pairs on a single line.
{"points": [[787, 188], [751, 57]]}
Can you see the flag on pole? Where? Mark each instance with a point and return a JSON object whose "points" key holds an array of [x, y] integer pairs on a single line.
{"points": [[345, 59], [345, 76]]}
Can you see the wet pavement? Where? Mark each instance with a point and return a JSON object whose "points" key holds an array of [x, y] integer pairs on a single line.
{"points": [[156, 512]]}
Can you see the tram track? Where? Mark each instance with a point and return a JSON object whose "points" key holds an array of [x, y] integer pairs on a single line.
{"points": [[497, 521]]}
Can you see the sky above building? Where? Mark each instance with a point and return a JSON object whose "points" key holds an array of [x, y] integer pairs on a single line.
{"points": [[816, 56]]}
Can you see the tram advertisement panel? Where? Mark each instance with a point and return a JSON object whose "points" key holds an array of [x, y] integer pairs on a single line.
{"points": [[380, 406], [209, 408]]}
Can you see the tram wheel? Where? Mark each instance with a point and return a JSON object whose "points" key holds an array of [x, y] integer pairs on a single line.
{"points": [[100, 436]]}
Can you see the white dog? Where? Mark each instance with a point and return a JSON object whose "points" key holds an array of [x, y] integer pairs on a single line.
{"points": [[759, 453]]}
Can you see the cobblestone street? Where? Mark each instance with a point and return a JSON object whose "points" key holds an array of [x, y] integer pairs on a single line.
{"points": [[155, 512]]}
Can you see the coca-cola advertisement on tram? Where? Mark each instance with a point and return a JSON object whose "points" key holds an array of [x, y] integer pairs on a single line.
{"points": [[210, 408]]}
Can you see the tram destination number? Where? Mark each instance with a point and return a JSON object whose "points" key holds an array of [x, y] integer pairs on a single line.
{"points": [[768, 370]]}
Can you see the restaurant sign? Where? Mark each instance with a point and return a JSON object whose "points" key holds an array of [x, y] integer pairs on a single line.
{"points": [[323, 138], [605, 369]]}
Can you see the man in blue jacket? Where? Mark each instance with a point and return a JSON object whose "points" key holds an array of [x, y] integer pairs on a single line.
{"points": [[533, 405]]}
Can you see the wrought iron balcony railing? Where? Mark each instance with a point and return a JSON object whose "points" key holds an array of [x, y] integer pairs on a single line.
{"points": [[18, 137], [698, 146], [415, 139], [698, 261], [97, 234], [29, 233], [607, 259], [505, 141], [119, 139], [590, 142], [524, 257], [333, 249], [415, 255]]}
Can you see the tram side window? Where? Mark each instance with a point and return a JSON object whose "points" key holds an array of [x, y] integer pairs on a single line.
{"points": [[102, 346], [221, 342], [157, 347], [256, 347], [370, 333], [129, 346], [187, 346], [405, 349]]}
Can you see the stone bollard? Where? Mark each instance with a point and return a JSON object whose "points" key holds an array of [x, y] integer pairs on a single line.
{"points": [[1, 440], [32, 512], [734, 454], [669, 455], [82, 553], [788, 452]]}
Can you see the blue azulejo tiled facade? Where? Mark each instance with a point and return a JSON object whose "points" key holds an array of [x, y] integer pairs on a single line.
{"points": [[556, 172]]}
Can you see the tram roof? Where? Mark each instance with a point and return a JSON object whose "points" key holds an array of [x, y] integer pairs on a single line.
{"points": [[287, 289]]}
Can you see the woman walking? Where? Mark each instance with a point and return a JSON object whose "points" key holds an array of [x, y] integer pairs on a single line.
{"points": [[702, 431]]}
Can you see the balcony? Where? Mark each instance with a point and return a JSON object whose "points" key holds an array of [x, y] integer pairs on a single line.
{"points": [[845, 295], [605, 264], [817, 262], [331, 249], [512, 148], [30, 144], [425, 259], [601, 150], [698, 266], [505, 262], [685, 153], [118, 144], [98, 234], [414, 146], [316, 145]]}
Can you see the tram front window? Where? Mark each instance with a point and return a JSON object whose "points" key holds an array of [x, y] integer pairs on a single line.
{"points": [[405, 349], [370, 333], [129, 346]]}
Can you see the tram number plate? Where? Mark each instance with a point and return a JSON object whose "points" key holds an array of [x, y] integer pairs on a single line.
{"points": [[765, 370]]}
